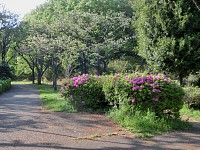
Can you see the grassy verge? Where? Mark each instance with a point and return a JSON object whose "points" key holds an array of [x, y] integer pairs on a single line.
{"points": [[51, 99], [147, 125], [21, 82], [195, 114]]}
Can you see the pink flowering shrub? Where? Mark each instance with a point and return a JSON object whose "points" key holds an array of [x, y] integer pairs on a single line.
{"points": [[156, 93], [84, 90]]}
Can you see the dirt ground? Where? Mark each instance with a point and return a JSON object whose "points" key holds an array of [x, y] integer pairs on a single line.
{"points": [[24, 125]]}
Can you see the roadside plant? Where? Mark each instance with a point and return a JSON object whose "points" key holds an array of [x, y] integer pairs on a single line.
{"points": [[138, 92], [84, 90], [5, 85], [154, 93]]}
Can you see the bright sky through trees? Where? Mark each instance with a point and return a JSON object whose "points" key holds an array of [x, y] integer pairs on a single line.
{"points": [[21, 7]]}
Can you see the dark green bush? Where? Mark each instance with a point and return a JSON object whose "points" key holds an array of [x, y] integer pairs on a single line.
{"points": [[5, 71], [192, 97], [157, 94], [5, 85]]}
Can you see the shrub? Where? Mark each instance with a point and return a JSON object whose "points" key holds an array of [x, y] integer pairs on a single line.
{"points": [[5, 85], [5, 71], [84, 90], [154, 93], [193, 80], [192, 97], [157, 93]]}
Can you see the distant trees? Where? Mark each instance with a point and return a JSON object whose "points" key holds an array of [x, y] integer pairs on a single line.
{"points": [[80, 39], [84, 36]]}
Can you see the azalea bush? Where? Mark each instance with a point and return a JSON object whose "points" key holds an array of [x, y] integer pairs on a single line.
{"points": [[137, 92], [84, 90], [140, 92], [5, 85]]}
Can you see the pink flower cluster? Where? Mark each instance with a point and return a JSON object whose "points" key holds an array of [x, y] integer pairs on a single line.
{"points": [[76, 81], [155, 99], [153, 81], [81, 79], [117, 75]]}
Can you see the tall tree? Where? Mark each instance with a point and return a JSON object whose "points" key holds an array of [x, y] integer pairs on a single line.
{"points": [[8, 23], [92, 38], [168, 34]]}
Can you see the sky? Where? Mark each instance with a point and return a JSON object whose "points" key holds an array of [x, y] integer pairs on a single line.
{"points": [[21, 7]]}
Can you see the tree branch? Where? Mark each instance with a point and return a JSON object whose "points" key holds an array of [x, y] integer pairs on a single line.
{"points": [[198, 7]]}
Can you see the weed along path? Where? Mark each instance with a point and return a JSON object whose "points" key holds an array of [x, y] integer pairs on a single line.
{"points": [[24, 125]]}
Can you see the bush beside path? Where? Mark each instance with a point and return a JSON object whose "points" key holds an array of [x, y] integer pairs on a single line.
{"points": [[25, 125]]}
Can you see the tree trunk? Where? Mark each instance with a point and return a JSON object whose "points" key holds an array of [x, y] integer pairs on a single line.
{"points": [[99, 70], [181, 78], [54, 78], [33, 76], [39, 79], [54, 82]]}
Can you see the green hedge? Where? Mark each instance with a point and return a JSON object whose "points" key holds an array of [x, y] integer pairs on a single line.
{"points": [[192, 97], [155, 93], [5, 85]]}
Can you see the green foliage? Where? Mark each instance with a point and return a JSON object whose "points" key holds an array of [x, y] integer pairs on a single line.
{"points": [[105, 6], [93, 38], [5, 85], [116, 66], [157, 94], [192, 80], [125, 64], [192, 97], [83, 34], [190, 112], [84, 91], [5, 71], [9, 22], [145, 124], [168, 35], [22, 70], [51, 100]]}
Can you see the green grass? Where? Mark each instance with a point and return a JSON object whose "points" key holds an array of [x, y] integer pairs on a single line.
{"points": [[51, 99], [146, 125], [195, 114], [21, 82]]}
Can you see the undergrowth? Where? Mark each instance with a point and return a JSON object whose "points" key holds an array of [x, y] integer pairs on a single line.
{"points": [[190, 112], [146, 124], [51, 99]]}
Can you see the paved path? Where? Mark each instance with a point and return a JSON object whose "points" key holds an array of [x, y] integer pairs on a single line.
{"points": [[25, 126]]}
